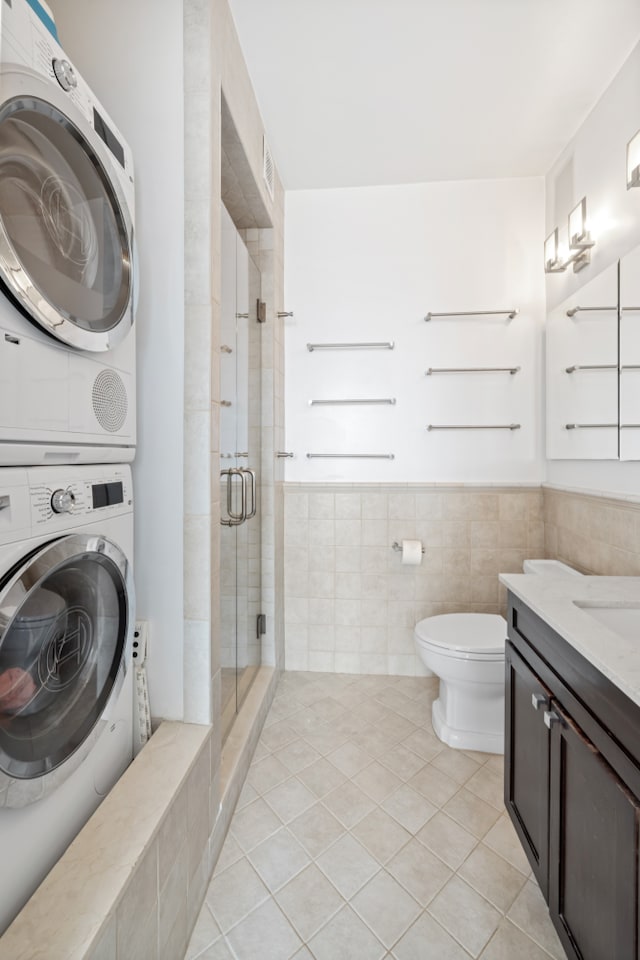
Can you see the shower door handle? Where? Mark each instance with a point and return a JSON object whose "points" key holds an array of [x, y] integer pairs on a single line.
{"points": [[234, 519], [251, 474]]}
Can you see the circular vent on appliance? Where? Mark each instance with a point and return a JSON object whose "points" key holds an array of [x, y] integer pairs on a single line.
{"points": [[110, 400]]}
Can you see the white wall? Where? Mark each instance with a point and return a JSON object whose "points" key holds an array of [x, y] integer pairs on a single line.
{"points": [[131, 55], [593, 165], [367, 264]]}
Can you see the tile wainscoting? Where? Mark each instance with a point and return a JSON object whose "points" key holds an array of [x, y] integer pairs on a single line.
{"points": [[594, 533], [350, 604]]}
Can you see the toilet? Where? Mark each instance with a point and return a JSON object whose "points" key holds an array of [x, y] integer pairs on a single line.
{"points": [[466, 651]]}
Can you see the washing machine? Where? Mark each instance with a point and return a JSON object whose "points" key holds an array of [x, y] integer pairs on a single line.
{"points": [[67, 257], [66, 688]]}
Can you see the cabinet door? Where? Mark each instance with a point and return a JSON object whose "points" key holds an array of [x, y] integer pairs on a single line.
{"points": [[593, 850], [527, 762]]}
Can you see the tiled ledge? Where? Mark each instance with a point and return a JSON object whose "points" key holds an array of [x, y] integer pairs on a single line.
{"points": [[614, 498], [109, 883]]}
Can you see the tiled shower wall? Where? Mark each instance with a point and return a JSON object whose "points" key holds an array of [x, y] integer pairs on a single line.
{"points": [[596, 534], [350, 604]]}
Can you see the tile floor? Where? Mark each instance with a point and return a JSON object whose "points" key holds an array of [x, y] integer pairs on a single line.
{"points": [[360, 836]]}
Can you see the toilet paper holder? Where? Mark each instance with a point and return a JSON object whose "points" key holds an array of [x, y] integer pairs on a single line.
{"points": [[398, 547]]}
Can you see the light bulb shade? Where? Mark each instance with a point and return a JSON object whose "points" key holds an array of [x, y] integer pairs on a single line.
{"points": [[633, 161], [578, 234], [551, 262]]}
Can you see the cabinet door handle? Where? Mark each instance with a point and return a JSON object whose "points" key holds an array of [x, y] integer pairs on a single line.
{"points": [[551, 717], [539, 700]]}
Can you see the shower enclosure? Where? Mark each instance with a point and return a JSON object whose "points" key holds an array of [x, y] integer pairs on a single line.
{"points": [[240, 455]]}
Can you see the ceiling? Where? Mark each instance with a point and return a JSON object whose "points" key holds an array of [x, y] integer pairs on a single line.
{"points": [[364, 92]]}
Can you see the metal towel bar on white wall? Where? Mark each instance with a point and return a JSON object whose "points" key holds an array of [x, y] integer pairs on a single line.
{"points": [[510, 314]]}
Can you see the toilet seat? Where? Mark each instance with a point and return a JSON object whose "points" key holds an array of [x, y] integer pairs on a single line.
{"points": [[466, 636]]}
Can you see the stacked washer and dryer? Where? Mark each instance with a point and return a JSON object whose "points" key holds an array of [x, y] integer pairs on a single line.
{"points": [[67, 434]]}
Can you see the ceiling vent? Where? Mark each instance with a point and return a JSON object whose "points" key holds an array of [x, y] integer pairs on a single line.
{"points": [[267, 166]]}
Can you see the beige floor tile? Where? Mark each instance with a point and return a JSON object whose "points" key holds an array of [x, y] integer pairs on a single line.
{"points": [[321, 777], [419, 872], [386, 907], [277, 735], [205, 933], [231, 851], [426, 940], [349, 803], [254, 824], [374, 741], [530, 913], [402, 761], [304, 722], [424, 743], [234, 893], [266, 934], [372, 710], [346, 937], [471, 812], [455, 764], [377, 781], [351, 724], [496, 763], [434, 785], [325, 740], [396, 726], [492, 877], [297, 755], [504, 840], [348, 865], [290, 799], [328, 710], [247, 795], [392, 697], [266, 774], [509, 943], [409, 808], [303, 954], [218, 951], [489, 786], [316, 829], [447, 839], [381, 835], [260, 752], [279, 859], [349, 759], [418, 712], [465, 915], [309, 901]]}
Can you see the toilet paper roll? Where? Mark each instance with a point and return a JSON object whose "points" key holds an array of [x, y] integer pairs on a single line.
{"points": [[412, 552]]}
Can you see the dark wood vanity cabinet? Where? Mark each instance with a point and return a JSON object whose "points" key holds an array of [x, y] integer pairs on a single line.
{"points": [[572, 782]]}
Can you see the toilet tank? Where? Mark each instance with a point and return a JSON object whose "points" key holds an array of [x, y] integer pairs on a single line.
{"points": [[549, 568]]}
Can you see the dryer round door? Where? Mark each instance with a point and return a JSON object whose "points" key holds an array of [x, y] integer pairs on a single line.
{"points": [[66, 238], [65, 623]]}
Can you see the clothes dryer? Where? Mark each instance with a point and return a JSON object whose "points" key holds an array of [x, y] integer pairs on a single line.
{"points": [[67, 257], [66, 688]]}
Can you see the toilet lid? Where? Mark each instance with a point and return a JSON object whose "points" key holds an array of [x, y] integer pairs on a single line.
{"points": [[474, 634]]}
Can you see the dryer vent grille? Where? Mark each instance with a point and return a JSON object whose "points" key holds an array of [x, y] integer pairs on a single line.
{"points": [[110, 402]]}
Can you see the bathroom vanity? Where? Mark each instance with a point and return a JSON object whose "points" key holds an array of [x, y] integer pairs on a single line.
{"points": [[572, 753]]}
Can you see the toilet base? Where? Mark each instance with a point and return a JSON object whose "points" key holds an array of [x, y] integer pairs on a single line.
{"points": [[483, 741]]}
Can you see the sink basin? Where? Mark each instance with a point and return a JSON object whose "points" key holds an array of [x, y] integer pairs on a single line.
{"points": [[625, 621]]}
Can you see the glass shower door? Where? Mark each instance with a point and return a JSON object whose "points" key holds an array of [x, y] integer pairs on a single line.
{"points": [[240, 452]]}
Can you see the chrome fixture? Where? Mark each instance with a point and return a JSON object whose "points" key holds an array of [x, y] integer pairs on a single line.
{"points": [[388, 345], [511, 370], [510, 314], [282, 455], [281, 314], [633, 161], [473, 426], [351, 456], [398, 547], [553, 261], [390, 400], [591, 366], [591, 426], [245, 476], [573, 310]]}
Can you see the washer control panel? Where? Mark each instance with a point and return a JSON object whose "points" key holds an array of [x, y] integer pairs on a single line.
{"points": [[57, 497]]}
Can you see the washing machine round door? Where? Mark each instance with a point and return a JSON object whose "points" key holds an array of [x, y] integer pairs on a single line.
{"points": [[66, 239], [65, 621]]}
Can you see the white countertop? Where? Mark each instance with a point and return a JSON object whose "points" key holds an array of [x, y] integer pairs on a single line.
{"points": [[554, 600]]}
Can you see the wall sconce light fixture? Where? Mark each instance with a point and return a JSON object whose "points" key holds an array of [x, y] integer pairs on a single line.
{"points": [[579, 237], [574, 247], [633, 161], [553, 263]]}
